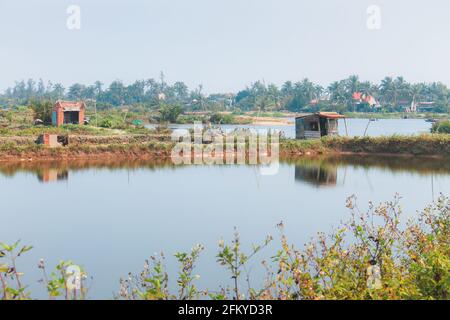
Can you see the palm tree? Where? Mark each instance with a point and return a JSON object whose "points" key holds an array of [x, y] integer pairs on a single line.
{"points": [[400, 88], [415, 93], [352, 85], [386, 90]]}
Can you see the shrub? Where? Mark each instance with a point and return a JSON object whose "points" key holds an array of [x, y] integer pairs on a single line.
{"points": [[441, 127], [219, 118], [106, 123]]}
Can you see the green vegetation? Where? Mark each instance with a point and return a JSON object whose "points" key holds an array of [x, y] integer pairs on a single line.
{"points": [[372, 256], [42, 110], [169, 113], [391, 95], [423, 145], [441, 127], [19, 121], [214, 118]]}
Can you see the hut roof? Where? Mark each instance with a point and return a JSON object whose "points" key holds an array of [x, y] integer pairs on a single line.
{"points": [[328, 115], [70, 105]]}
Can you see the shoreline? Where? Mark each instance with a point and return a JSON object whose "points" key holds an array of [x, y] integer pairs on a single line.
{"points": [[160, 151]]}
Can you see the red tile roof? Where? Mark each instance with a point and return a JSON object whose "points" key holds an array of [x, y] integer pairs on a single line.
{"points": [[70, 105]]}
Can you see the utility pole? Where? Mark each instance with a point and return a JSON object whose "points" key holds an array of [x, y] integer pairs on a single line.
{"points": [[95, 109]]}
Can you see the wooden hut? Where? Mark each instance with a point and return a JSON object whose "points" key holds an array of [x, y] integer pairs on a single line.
{"points": [[317, 125]]}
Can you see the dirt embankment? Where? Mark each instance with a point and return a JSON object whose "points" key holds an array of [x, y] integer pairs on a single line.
{"points": [[160, 147]]}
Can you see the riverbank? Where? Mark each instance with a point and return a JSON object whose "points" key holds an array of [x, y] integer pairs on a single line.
{"points": [[159, 146]]}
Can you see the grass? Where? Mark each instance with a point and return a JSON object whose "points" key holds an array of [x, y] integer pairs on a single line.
{"points": [[158, 143], [62, 130], [423, 145], [441, 127]]}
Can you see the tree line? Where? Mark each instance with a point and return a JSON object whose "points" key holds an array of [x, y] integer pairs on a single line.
{"points": [[390, 95]]}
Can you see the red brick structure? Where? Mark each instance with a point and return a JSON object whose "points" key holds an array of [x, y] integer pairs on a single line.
{"points": [[68, 112]]}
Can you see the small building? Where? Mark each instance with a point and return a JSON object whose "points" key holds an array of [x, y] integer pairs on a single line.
{"points": [[52, 140], [68, 112], [360, 97], [317, 125]]}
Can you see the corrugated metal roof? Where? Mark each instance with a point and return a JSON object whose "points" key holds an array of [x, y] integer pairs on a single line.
{"points": [[328, 115]]}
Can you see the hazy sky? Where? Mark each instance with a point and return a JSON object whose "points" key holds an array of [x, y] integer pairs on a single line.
{"points": [[223, 44]]}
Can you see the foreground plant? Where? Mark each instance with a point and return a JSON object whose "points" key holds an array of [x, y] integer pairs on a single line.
{"points": [[372, 256], [67, 281], [235, 260], [152, 282], [10, 277]]}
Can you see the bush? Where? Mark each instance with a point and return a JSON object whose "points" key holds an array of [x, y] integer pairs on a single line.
{"points": [[169, 113], [106, 123], [42, 110], [441, 127], [219, 118]]}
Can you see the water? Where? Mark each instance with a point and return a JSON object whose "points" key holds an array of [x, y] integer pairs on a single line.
{"points": [[109, 217], [355, 127]]}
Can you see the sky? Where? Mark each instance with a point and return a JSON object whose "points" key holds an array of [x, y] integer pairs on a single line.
{"points": [[224, 44]]}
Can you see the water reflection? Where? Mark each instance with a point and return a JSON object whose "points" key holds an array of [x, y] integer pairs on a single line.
{"points": [[317, 173], [140, 207], [327, 166], [47, 175]]}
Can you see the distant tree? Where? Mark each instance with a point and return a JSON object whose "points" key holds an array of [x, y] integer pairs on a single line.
{"points": [[181, 91], [42, 110], [169, 113], [392, 93], [58, 91], [76, 91]]}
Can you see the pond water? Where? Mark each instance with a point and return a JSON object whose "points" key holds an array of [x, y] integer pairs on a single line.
{"points": [[355, 127], [110, 216]]}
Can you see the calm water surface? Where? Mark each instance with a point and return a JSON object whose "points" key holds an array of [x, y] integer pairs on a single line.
{"points": [[355, 127], [109, 217]]}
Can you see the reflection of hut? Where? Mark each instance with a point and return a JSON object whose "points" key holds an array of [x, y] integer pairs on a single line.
{"points": [[52, 175], [316, 125], [317, 175], [68, 112]]}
